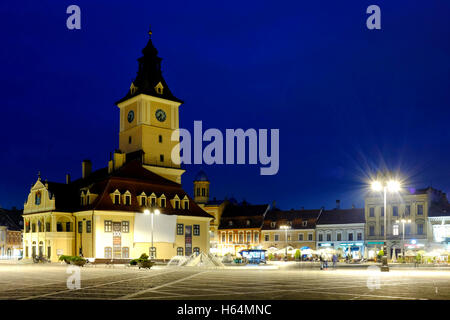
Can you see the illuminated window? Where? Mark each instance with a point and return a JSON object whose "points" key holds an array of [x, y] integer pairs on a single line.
{"points": [[223, 237], [125, 226], [230, 238], [371, 212], [196, 230], [125, 252], [256, 237], [249, 237], [88, 226], [248, 222], [180, 229], [37, 198], [108, 252], [395, 230], [266, 237], [108, 226], [241, 237], [180, 251]]}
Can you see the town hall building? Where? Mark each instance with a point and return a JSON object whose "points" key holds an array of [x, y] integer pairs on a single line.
{"points": [[134, 205]]}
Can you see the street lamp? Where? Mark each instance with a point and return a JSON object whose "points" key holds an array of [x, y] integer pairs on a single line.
{"points": [[151, 212], [403, 221], [286, 228], [385, 186]]}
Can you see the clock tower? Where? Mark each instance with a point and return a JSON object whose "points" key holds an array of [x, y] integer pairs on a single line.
{"points": [[149, 116]]}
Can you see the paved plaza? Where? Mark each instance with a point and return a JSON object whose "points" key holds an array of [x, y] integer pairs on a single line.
{"points": [[25, 282]]}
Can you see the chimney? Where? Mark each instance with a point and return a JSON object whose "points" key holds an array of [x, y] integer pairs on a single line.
{"points": [[67, 178], [86, 168], [338, 204]]}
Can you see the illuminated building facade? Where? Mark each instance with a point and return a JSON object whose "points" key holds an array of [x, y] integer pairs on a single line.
{"points": [[299, 235], [101, 215]]}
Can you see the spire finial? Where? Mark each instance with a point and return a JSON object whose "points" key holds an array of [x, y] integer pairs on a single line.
{"points": [[39, 175], [150, 31]]}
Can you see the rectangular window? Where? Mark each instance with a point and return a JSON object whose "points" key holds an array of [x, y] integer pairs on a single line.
{"points": [[33, 227], [277, 237], [320, 237], [88, 226], [108, 252], [47, 227], [80, 226], [59, 227], [203, 192], [160, 141], [304, 223], [310, 236], [395, 230], [230, 238], [108, 226], [180, 231], [371, 212], [68, 227], [186, 205], [125, 252], [266, 237], [371, 230], [395, 211], [339, 237], [359, 236], [143, 201], [256, 237], [153, 201], [350, 237], [300, 237], [328, 236], [249, 237], [407, 229], [161, 158], [125, 226], [180, 251], [127, 200], [407, 210], [420, 209], [177, 204], [223, 238], [241, 237], [116, 199], [163, 203], [382, 230], [382, 211], [152, 252], [196, 230], [420, 228]]}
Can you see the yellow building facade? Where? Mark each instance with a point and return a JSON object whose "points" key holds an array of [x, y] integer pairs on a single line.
{"points": [[102, 214]]}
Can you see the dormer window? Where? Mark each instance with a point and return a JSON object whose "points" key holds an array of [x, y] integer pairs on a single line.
{"points": [[230, 223], [127, 200], [177, 204], [304, 223], [272, 224], [143, 201], [117, 199], [153, 200], [248, 222], [87, 200], [159, 88], [162, 202]]}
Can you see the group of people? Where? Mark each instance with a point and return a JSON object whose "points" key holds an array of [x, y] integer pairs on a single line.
{"points": [[324, 261]]}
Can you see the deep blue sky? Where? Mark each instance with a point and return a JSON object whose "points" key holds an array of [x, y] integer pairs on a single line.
{"points": [[347, 100]]}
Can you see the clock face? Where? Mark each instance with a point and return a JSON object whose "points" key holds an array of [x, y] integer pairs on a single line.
{"points": [[130, 116], [160, 115]]}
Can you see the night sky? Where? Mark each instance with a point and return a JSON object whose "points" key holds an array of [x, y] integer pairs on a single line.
{"points": [[347, 100]]}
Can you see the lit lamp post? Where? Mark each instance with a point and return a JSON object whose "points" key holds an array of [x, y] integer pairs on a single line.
{"points": [[403, 221], [153, 212], [286, 228], [385, 186]]}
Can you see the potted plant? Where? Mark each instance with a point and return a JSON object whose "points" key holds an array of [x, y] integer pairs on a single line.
{"points": [[297, 255], [65, 258], [143, 262], [78, 261]]}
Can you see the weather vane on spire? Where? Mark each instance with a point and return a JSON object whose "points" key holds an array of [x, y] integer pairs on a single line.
{"points": [[150, 31]]}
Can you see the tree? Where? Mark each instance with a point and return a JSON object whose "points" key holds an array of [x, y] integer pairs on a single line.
{"points": [[297, 255]]}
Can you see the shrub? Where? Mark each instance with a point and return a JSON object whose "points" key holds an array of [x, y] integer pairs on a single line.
{"points": [[134, 262], [143, 257], [297, 255]]}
